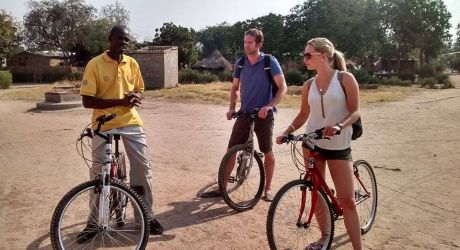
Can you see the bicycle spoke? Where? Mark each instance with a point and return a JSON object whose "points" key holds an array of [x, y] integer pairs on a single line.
{"points": [[76, 206], [283, 230]]}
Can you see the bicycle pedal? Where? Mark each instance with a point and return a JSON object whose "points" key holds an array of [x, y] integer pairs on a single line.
{"points": [[232, 179]]}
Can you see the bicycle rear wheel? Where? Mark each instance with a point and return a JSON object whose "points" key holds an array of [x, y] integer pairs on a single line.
{"points": [[74, 213], [283, 228], [243, 186], [365, 194]]}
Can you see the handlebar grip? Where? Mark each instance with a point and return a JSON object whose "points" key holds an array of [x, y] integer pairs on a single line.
{"points": [[103, 119], [236, 114], [319, 133], [288, 138], [110, 117], [89, 133]]}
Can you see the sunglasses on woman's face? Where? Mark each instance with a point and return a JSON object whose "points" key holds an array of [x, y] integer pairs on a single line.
{"points": [[308, 55]]}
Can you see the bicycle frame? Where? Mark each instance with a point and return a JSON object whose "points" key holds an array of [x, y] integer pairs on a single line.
{"points": [[108, 171], [250, 144], [314, 177], [104, 197], [243, 172]]}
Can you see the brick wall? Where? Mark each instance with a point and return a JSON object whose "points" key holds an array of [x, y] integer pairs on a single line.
{"points": [[159, 66]]}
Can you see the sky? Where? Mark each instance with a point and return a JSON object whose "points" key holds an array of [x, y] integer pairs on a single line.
{"points": [[147, 15]]}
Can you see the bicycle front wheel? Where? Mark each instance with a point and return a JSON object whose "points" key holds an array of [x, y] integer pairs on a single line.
{"points": [[365, 194], [241, 180], [74, 214], [286, 231]]}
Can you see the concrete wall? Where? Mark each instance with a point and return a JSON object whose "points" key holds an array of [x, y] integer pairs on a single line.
{"points": [[159, 66]]}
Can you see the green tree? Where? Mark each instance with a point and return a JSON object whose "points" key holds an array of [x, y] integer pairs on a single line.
{"points": [[352, 25], [57, 25], [457, 41], [185, 39], [272, 26], [115, 14], [421, 25], [96, 40], [215, 37], [10, 38]]}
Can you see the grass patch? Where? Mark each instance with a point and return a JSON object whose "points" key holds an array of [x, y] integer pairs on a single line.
{"points": [[387, 94], [29, 93], [212, 93]]}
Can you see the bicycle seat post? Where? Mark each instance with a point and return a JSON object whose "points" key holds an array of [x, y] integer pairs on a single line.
{"points": [[116, 137]]}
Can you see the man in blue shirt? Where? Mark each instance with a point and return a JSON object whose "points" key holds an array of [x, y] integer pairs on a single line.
{"points": [[255, 88]]}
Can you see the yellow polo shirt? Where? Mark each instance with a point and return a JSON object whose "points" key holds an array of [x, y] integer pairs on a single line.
{"points": [[106, 79]]}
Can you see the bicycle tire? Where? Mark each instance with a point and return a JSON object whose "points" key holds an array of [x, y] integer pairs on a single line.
{"points": [[231, 194], [365, 205], [65, 226], [279, 232], [121, 173]]}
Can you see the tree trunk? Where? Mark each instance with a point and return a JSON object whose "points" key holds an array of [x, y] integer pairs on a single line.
{"points": [[420, 57]]}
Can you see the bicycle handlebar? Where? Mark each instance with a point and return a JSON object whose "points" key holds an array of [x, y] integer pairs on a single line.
{"points": [[317, 134], [100, 121]]}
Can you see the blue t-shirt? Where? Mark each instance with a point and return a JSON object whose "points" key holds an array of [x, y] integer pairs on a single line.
{"points": [[255, 87]]}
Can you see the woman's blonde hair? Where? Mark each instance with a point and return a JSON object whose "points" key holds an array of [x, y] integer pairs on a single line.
{"points": [[336, 57]]}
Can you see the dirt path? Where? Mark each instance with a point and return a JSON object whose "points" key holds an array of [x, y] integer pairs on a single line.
{"points": [[413, 144]]}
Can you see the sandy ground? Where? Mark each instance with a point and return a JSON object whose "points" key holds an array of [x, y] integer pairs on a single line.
{"points": [[413, 145]]}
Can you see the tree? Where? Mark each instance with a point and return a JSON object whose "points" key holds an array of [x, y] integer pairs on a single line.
{"points": [[421, 25], [185, 39], [273, 28], [9, 36], [96, 40], [352, 25], [57, 25], [115, 14], [215, 37], [457, 42]]}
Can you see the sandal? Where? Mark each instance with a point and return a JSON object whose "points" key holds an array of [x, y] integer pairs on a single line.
{"points": [[211, 194], [314, 246], [268, 196]]}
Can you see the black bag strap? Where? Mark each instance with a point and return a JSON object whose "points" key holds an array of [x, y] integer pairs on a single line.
{"points": [[241, 64], [340, 77], [269, 74]]}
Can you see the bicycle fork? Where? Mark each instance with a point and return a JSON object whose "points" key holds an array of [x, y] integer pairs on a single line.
{"points": [[104, 196], [314, 197]]}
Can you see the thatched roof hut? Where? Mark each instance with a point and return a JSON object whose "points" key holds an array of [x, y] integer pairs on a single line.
{"points": [[215, 62]]}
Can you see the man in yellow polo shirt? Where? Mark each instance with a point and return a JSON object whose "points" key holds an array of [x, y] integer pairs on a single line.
{"points": [[113, 83]]}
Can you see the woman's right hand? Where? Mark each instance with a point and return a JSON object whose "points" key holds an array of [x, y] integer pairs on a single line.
{"points": [[279, 139]]}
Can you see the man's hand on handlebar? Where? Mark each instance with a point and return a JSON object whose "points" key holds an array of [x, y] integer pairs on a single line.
{"points": [[230, 114], [263, 112]]}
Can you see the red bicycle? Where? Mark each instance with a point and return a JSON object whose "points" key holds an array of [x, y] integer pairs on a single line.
{"points": [[304, 210]]}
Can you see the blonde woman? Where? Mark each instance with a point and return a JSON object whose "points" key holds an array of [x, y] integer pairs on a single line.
{"points": [[328, 103]]}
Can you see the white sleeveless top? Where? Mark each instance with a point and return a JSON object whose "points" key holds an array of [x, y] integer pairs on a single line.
{"points": [[335, 109]]}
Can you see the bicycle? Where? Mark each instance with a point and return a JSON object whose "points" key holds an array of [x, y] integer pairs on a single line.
{"points": [[113, 223], [242, 187], [290, 223]]}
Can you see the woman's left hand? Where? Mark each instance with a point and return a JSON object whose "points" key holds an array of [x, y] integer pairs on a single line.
{"points": [[330, 131]]}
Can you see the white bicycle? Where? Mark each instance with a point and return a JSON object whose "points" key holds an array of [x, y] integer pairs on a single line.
{"points": [[115, 218]]}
